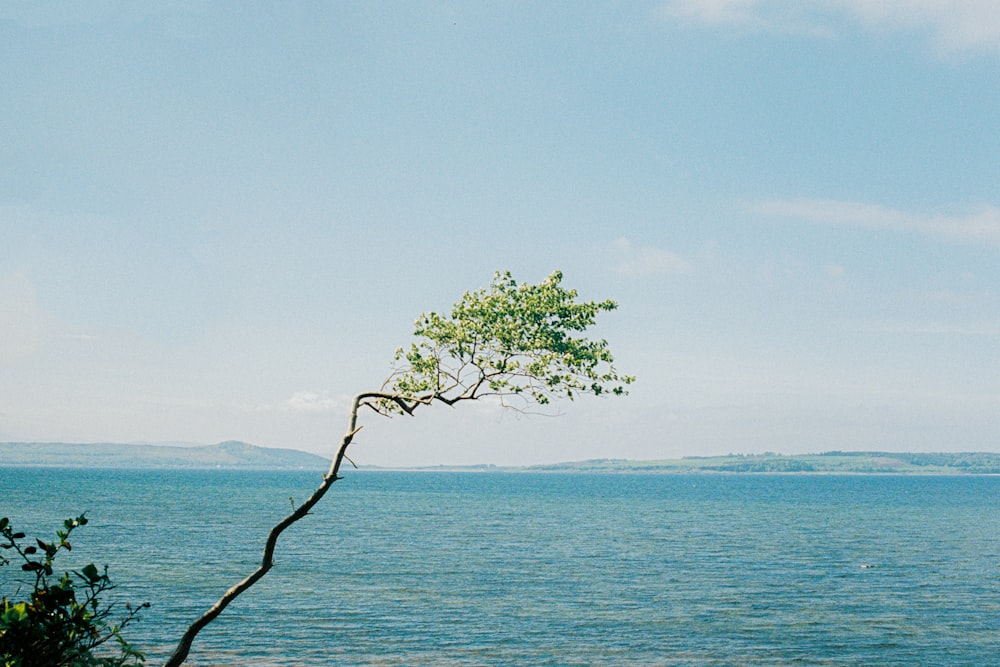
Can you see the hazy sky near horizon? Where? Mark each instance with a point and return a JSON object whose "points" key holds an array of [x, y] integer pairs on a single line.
{"points": [[219, 220]]}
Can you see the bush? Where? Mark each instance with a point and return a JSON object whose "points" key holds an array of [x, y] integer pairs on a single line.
{"points": [[63, 620]]}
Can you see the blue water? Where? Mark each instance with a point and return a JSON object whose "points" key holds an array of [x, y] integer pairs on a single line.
{"points": [[545, 569]]}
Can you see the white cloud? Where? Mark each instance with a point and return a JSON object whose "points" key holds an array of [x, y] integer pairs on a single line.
{"points": [[714, 11], [647, 260], [981, 226], [309, 401], [20, 319], [954, 25]]}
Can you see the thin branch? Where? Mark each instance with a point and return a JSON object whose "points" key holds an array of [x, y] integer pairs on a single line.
{"points": [[267, 561]]}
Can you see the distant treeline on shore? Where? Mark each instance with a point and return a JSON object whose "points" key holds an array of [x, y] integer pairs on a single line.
{"points": [[981, 463]]}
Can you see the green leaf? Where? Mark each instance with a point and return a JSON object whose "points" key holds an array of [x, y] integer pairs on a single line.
{"points": [[91, 572], [14, 614]]}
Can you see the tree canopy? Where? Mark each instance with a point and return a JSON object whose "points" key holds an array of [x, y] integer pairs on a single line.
{"points": [[512, 340]]}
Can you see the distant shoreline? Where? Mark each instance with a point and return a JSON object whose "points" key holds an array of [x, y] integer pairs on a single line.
{"points": [[235, 455]]}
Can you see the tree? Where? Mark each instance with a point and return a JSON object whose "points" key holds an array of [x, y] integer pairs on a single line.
{"points": [[514, 342], [63, 620]]}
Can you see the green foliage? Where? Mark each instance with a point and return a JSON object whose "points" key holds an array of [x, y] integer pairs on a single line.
{"points": [[512, 340], [63, 620]]}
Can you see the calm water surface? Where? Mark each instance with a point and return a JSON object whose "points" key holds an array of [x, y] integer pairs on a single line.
{"points": [[549, 569]]}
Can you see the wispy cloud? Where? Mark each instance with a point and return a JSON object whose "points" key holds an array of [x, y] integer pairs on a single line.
{"points": [[954, 25], [981, 226], [646, 260], [949, 297], [926, 328], [308, 402], [715, 11]]}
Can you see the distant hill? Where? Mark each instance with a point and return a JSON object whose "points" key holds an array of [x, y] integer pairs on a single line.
{"points": [[230, 454]]}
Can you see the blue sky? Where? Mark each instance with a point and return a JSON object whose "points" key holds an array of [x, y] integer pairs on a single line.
{"points": [[219, 220]]}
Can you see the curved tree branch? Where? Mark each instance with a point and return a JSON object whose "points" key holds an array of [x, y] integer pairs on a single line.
{"points": [[267, 561], [406, 404]]}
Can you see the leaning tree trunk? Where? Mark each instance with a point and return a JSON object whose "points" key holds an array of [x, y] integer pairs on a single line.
{"points": [[180, 653]]}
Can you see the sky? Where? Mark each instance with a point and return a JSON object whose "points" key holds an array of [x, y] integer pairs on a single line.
{"points": [[219, 220]]}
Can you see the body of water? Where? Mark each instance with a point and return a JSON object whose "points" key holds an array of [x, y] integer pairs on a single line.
{"points": [[399, 568]]}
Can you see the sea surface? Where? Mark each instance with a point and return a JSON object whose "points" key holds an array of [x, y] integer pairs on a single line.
{"points": [[438, 568]]}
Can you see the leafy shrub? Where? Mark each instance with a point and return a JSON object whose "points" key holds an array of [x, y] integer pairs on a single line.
{"points": [[63, 620]]}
